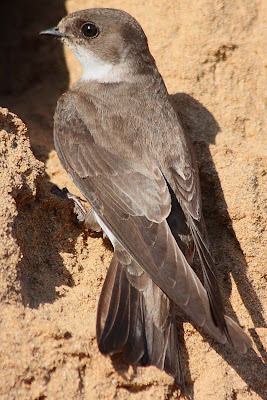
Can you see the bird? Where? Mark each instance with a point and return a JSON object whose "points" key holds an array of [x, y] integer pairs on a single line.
{"points": [[120, 140]]}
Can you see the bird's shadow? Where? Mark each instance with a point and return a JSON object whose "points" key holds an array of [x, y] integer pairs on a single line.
{"points": [[203, 128]]}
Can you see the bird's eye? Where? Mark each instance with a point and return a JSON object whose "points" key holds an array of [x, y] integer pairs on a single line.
{"points": [[89, 30]]}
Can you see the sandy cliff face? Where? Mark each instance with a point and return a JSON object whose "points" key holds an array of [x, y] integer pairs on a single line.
{"points": [[211, 56]]}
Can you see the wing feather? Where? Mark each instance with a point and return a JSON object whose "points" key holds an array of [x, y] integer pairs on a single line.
{"points": [[133, 204], [186, 188]]}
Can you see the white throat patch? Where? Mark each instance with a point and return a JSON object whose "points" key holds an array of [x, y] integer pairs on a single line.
{"points": [[95, 69]]}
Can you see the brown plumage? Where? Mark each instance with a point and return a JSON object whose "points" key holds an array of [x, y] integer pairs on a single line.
{"points": [[119, 138]]}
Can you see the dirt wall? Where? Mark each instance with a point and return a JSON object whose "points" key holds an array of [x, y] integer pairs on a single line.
{"points": [[211, 56]]}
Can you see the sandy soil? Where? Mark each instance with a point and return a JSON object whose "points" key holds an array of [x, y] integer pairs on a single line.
{"points": [[210, 54]]}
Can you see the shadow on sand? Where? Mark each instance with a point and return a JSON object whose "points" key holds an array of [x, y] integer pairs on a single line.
{"points": [[33, 75], [203, 128], [33, 72]]}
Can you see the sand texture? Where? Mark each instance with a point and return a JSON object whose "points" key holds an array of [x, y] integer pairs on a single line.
{"points": [[211, 55]]}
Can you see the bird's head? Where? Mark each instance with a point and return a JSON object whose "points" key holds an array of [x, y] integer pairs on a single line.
{"points": [[110, 44]]}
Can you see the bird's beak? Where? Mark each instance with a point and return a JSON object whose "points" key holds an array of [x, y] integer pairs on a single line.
{"points": [[53, 32]]}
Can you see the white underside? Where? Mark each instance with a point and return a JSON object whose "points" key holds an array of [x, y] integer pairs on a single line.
{"points": [[96, 69], [106, 230]]}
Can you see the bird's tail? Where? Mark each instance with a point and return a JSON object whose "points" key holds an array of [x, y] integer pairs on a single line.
{"points": [[137, 319]]}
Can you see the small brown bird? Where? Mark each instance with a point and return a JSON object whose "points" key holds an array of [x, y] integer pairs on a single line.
{"points": [[120, 140]]}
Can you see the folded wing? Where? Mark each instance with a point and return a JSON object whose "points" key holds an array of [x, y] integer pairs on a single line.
{"points": [[130, 196]]}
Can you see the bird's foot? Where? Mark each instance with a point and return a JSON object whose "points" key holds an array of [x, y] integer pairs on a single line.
{"points": [[87, 217]]}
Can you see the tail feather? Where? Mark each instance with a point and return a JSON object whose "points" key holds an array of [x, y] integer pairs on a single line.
{"points": [[129, 321], [136, 318], [173, 365]]}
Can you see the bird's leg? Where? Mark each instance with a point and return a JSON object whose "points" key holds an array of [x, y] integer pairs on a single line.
{"points": [[79, 209], [82, 214]]}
